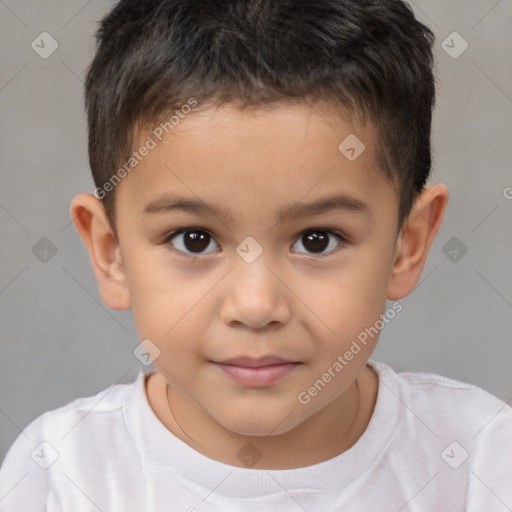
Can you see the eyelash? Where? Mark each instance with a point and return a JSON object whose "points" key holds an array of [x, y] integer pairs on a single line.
{"points": [[167, 239]]}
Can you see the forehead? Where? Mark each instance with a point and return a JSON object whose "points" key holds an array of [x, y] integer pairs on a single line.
{"points": [[264, 159]]}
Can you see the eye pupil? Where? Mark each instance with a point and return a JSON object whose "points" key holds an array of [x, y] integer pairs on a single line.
{"points": [[196, 240], [315, 241]]}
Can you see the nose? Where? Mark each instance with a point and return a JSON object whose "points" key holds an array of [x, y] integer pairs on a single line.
{"points": [[254, 296]]}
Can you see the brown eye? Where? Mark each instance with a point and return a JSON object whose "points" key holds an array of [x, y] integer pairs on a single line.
{"points": [[192, 241], [316, 241]]}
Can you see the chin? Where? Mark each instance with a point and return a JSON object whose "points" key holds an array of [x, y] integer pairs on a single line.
{"points": [[258, 426]]}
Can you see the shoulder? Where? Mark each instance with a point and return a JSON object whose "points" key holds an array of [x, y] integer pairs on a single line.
{"points": [[85, 411], [447, 403], [459, 435], [57, 422], [29, 466], [453, 435]]}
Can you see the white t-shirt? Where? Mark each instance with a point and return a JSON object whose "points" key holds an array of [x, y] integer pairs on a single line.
{"points": [[432, 444]]}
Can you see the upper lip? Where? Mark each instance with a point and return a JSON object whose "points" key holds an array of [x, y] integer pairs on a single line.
{"points": [[251, 362]]}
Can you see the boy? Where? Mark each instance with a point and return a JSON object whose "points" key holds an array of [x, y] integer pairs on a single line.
{"points": [[290, 143]]}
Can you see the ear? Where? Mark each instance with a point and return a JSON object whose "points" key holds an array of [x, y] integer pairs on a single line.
{"points": [[93, 226], [415, 240]]}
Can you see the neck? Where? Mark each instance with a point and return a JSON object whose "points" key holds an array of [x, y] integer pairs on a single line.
{"points": [[324, 435]]}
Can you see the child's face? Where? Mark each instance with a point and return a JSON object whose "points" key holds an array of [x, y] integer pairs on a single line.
{"points": [[302, 300]]}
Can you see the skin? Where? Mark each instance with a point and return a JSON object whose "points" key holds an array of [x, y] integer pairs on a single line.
{"points": [[293, 302]]}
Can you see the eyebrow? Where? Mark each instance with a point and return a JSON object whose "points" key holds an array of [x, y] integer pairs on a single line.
{"points": [[188, 205]]}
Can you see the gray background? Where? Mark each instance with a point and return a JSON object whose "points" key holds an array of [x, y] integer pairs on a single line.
{"points": [[59, 342]]}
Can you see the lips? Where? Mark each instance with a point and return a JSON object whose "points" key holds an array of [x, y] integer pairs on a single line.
{"points": [[249, 362], [257, 373]]}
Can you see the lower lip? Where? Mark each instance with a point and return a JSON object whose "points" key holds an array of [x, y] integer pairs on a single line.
{"points": [[258, 377]]}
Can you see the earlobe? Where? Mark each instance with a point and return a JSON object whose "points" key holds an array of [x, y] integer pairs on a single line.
{"points": [[92, 224], [416, 239]]}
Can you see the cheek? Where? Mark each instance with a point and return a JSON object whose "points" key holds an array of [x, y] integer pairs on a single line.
{"points": [[170, 311], [158, 301], [354, 293], [347, 303], [170, 318]]}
